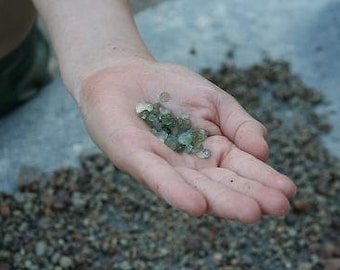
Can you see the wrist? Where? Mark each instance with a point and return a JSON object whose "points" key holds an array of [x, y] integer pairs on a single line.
{"points": [[109, 56], [89, 35]]}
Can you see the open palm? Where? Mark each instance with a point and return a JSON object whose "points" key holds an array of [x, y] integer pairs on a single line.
{"points": [[233, 183]]}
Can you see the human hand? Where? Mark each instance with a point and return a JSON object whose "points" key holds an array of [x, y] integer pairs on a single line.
{"points": [[234, 183]]}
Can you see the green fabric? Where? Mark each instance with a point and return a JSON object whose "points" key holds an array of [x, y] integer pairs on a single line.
{"points": [[24, 71]]}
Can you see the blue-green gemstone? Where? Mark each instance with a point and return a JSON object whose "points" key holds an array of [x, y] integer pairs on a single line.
{"points": [[164, 97], [204, 153], [162, 135], [144, 106], [199, 135], [183, 124], [144, 114], [188, 148], [185, 138], [153, 121], [166, 119], [171, 141]]}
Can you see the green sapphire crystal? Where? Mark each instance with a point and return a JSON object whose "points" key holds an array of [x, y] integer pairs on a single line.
{"points": [[175, 132]]}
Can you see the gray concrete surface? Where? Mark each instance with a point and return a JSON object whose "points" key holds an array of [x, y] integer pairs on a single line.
{"points": [[47, 133]]}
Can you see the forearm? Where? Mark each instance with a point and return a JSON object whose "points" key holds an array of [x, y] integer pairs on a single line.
{"points": [[90, 35]]}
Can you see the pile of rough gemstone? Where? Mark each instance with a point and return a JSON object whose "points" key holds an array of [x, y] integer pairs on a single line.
{"points": [[175, 132]]}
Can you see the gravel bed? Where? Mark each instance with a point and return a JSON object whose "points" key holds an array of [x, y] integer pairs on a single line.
{"points": [[99, 218]]}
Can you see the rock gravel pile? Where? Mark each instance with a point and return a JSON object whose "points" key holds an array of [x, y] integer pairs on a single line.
{"points": [[99, 218]]}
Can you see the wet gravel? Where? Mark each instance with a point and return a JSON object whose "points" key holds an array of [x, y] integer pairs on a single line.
{"points": [[99, 218]]}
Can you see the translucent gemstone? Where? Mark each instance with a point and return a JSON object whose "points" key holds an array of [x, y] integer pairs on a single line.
{"points": [[153, 121], [164, 111], [154, 131], [164, 97], [188, 148], [152, 118], [173, 127], [204, 153], [162, 135], [196, 149], [183, 124], [144, 114], [172, 142], [144, 106], [156, 107], [180, 148], [166, 119], [198, 137], [185, 138]]}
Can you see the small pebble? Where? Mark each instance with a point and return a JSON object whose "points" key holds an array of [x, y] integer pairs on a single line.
{"points": [[332, 264], [40, 248], [65, 262], [144, 106], [204, 153], [217, 257], [164, 97], [301, 205], [185, 138], [4, 266], [5, 211]]}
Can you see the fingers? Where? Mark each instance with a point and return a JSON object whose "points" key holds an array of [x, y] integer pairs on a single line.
{"points": [[271, 201], [248, 166], [236, 124], [222, 201], [140, 154], [163, 180], [230, 157]]}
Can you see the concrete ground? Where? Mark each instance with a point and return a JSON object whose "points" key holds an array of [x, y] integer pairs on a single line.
{"points": [[47, 132]]}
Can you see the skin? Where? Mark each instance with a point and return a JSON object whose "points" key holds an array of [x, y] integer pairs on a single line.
{"points": [[107, 69]]}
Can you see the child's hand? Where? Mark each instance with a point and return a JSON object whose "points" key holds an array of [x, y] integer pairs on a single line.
{"points": [[233, 183]]}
